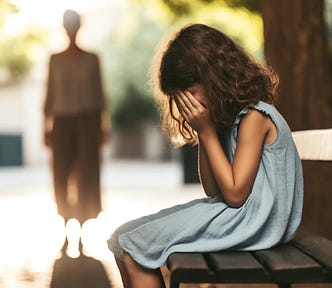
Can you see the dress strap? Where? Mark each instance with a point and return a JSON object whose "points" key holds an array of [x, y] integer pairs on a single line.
{"points": [[263, 107]]}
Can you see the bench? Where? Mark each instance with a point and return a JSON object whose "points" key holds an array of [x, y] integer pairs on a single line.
{"points": [[306, 259]]}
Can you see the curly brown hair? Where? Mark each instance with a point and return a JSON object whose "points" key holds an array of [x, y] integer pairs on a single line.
{"points": [[200, 54]]}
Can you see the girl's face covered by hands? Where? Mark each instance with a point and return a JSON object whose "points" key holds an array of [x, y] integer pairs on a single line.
{"points": [[193, 106], [198, 92]]}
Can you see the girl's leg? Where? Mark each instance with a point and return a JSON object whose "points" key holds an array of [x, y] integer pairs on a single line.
{"points": [[141, 277], [123, 273]]}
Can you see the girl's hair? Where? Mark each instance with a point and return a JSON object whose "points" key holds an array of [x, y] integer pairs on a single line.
{"points": [[199, 54]]}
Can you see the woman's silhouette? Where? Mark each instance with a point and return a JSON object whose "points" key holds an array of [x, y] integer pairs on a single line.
{"points": [[73, 111]]}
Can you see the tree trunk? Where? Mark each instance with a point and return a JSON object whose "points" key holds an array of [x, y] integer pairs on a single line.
{"points": [[296, 46]]}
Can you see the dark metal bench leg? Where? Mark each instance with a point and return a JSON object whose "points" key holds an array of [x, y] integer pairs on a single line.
{"points": [[284, 285], [174, 284]]}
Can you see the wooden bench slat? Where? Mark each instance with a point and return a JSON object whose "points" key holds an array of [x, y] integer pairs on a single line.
{"points": [[189, 268], [317, 247], [289, 265], [238, 267]]}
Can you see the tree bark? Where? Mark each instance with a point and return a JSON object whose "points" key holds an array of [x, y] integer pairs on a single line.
{"points": [[296, 47]]}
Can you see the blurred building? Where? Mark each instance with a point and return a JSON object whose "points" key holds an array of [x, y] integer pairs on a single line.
{"points": [[20, 121]]}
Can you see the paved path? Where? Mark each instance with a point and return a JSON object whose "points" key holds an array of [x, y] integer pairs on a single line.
{"points": [[32, 232]]}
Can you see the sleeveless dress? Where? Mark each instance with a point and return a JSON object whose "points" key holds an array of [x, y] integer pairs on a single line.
{"points": [[270, 215]]}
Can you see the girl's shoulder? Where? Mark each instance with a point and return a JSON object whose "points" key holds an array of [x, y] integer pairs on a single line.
{"points": [[263, 107], [259, 124], [270, 111]]}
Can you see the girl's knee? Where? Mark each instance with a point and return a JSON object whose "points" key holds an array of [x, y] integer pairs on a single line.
{"points": [[131, 265], [128, 261]]}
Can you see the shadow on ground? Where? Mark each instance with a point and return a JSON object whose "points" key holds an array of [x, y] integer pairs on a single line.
{"points": [[82, 272]]}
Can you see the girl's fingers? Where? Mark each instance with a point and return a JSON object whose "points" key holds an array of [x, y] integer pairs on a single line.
{"points": [[176, 100], [184, 99], [180, 102], [186, 102], [190, 100]]}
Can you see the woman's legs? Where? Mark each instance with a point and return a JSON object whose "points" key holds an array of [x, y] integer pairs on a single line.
{"points": [[88, 166], [140, 277], [63, 158]]}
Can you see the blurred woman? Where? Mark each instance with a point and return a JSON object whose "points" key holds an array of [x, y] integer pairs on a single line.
{"points": [[73, 111]]}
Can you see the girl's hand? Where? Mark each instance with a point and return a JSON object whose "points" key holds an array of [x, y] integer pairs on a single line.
{"points": [[197, 116]]}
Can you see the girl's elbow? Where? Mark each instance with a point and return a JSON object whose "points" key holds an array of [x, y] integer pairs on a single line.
{"points": [[236, 200], [211, 192], [235, 203]]}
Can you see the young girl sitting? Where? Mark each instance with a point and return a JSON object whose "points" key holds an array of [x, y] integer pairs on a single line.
{"points": [[211, 93]]}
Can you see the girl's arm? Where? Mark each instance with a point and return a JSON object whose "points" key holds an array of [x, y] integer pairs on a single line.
{"points": [[206, 176], [235, 180]]}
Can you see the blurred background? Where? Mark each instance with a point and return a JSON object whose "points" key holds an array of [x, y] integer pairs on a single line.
{"points": [[141, 172], [125, 35]]}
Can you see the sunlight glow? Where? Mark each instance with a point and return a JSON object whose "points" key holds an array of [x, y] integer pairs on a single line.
{"points": [[45, 13], [31, 235], [73, 231], [237, 23]]}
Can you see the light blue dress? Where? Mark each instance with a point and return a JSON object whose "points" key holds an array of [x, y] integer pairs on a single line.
{"points": [[270, 215]]}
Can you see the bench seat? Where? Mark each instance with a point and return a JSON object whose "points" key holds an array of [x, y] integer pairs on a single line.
{"points": [[306, 259]]}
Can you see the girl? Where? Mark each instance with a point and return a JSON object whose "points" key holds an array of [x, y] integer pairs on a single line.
{"points": [[211, 93]]}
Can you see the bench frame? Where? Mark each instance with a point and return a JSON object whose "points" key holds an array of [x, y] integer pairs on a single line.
{"points": [[306, 259]]}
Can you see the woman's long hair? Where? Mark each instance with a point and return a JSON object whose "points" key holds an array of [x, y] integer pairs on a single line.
{"points": [[200, 54]]}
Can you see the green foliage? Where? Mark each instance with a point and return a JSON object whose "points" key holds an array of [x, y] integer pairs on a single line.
{"points": [[6, 8], [238, 18], [179, 7], [16, 54], [14, 57], [16, 49], [183, 8], [251, 5], [127, 52], [127, 57], [134, 109]]}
